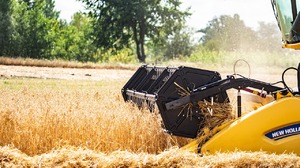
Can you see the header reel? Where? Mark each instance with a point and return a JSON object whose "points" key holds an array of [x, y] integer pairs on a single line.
{"points": [[154, 87]]}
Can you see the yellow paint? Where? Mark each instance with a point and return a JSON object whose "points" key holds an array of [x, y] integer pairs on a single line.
{"points": [[295, 46], [193, 146], [279, 95], [248, 132]]}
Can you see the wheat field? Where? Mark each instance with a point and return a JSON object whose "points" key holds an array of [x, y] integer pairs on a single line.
{"points": [[70, 123]]}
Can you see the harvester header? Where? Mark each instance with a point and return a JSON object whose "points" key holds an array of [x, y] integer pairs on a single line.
{"points": [[186, 99], [154, 86]]}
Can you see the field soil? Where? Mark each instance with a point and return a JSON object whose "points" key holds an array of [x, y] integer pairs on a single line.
{"points": [[64, 73], [8, 71]]}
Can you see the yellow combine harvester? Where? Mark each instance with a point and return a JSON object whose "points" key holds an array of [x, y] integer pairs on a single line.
{"points": [[177, 91]]}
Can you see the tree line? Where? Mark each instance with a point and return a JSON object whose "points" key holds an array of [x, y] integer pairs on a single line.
{"points": [[119, 30]]}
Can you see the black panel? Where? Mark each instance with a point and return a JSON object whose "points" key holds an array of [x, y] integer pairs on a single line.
{"points": [[187, 120], [144, 84], [134, 81]]}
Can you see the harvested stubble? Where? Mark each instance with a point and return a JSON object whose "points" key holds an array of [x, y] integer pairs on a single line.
{"points": [[174, 157]]}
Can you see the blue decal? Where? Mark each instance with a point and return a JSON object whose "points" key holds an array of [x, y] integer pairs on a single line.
{"points": [[284, 132]]}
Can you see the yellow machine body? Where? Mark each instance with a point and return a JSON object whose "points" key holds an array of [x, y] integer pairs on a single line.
{"points": [[274, 127], [291, 46]]}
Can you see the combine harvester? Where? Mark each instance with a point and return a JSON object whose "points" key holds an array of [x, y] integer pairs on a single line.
{"points": [[181, 93]]}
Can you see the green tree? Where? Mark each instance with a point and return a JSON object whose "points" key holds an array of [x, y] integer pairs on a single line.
{"points": [[269, 37], [178, 44], [49, 10], [118, 22], [6, 27], [74, 40], [84, 28], [34, 22], [227, 33]]}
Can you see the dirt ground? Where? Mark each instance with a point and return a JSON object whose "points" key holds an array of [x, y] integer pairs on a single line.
{"points": [[64, 73], [111, 74]]}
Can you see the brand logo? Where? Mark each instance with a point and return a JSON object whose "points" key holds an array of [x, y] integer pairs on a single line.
{"points": [[284, 132]]}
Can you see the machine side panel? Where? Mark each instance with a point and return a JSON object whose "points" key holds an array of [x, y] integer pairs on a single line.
{"points": [[273, 127]]}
